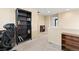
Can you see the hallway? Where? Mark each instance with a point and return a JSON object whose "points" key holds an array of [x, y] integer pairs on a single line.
{"points": [[40, 44]]}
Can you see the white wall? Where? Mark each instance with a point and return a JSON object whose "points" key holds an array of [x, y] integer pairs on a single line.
{"points": [[37, 20], [54, 36], [54, 33], [68, 23], [7, 15], [47, 23]]}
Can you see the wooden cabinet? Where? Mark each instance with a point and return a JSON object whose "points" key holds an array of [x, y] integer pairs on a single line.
{"points": [[42, 28], [70, 42]]}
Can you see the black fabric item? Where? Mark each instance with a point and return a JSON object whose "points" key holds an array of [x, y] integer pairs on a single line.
{"points": [[7, 36]]}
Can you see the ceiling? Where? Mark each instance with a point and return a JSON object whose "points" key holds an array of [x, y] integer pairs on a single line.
{"points": [[51, 11]]}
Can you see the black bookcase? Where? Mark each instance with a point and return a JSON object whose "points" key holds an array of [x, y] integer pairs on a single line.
{"points": [[23, 28]]}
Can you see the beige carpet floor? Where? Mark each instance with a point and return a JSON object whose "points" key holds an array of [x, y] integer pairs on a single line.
{"points": [[40, 44]]}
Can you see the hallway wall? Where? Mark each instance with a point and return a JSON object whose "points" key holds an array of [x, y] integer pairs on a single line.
{"points": [[54, 33], [7, 15], [37, 20], [68, 22]]}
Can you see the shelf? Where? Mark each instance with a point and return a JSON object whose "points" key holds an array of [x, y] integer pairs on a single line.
{"points": [[23, 23], [23, 16]]}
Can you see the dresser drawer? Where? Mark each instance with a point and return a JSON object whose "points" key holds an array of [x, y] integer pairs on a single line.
{"points": [[70, 42]]}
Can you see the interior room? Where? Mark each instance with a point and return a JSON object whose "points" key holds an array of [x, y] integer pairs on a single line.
{"points": [[39, 29]]}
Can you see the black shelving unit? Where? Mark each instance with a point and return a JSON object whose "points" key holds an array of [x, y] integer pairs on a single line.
{"points": [[23, 28]]}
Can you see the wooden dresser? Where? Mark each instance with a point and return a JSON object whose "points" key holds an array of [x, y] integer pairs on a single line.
{"points": [[70, 42]]}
